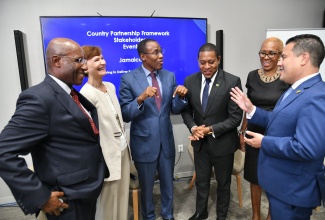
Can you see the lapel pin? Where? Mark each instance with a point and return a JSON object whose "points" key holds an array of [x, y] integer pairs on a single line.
{"points": [[298, 91], [217, 85]]}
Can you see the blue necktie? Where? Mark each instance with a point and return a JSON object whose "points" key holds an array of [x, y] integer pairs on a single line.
{"points": [[205, 94], [287, 93]]}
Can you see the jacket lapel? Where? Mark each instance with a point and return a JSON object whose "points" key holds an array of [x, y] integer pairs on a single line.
{"points": [[216, 84], [292, 96], [164, 85], [196, 91], [141, 78], [116, 105], [68, 103]]}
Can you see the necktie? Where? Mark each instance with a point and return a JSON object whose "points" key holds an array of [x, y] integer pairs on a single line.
{"points": [[205, 94], [76, 99], [287, 93], [158, 95]]}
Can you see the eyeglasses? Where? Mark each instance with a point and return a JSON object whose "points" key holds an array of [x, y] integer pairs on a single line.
{"points": [[271, 54], [80, 60], [157, 52]]}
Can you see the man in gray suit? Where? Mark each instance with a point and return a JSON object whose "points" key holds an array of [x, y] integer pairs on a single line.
{"points": [[61, 138], [212, 118]]}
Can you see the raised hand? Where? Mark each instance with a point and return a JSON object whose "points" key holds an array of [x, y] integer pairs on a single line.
{"points": [[242, 101]]}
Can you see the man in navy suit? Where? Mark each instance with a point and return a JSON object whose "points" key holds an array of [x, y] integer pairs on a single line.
{"points": [[147, 96], [290, 166], [65, 149]]}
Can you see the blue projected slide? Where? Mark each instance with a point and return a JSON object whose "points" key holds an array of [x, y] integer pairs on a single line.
{"points": [[118, 37]]}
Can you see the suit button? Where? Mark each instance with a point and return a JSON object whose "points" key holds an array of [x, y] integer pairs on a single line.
{"points": [[204, 118]]}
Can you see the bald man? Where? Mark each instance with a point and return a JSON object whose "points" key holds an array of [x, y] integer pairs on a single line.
{"points": [[49, 124]]}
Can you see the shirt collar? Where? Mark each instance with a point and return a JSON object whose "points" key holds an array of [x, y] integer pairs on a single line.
{"points": [[212, 78], [64, 86], [147, 72], [300, 81]]}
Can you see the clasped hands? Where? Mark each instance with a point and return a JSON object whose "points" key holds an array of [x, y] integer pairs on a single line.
{"points": [[53, 205], [199, 132], [246, 105]]}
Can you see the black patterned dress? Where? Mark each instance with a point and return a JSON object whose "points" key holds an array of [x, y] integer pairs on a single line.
{"points": [[265, 96]]}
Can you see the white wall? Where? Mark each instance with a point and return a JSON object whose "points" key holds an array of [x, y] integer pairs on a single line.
{"points": [[244, 24]]}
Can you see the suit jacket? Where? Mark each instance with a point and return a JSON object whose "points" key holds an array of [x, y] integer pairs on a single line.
{"points": [[221, 112], [66, 153], [293, 150], [149, 128], [110, 129]]}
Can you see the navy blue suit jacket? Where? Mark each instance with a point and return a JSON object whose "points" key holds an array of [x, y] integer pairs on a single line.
{"points": [[293, 149], [66, 153]]}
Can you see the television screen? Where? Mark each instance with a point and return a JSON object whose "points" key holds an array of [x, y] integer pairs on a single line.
{"points": [[118, 37]]}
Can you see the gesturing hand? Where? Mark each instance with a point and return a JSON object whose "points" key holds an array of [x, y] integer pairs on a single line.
{"points": [[149, 92], [181, 91], [255, 140], [242, 101]]}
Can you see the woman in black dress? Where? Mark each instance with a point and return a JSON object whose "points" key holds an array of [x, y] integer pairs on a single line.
{"points": [[264, 88]]}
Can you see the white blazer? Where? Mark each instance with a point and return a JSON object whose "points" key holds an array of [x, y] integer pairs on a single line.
{"points": [[109, 128]]}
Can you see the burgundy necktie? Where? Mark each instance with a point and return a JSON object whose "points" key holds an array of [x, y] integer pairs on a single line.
{"points": [[158, 95], [76, 99]]}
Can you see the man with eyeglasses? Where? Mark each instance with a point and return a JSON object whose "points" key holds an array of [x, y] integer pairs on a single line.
{"points": [[67, 159], [291, 157], [212, 118], [147, 96]]}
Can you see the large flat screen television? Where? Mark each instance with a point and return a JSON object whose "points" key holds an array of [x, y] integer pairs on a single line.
{"points": [[118, 37]]}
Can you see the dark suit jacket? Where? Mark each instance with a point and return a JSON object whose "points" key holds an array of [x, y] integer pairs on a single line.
{"points": [[290, 165], [221, 112], [66, 154], [149, 128]]}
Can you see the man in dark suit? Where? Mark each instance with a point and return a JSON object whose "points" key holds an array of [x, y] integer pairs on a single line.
{"points": [[65, 149], [147, 96], [212, 118], [290, 163]]}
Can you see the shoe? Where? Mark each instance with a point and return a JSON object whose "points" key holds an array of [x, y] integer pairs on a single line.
{"points": [[199, 216], [169, 218]]}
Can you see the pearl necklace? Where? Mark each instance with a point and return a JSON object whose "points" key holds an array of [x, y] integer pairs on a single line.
{"points": [[269, 79]]}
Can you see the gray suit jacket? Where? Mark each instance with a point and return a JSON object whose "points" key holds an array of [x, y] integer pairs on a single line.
{"points": [[221, 112]]}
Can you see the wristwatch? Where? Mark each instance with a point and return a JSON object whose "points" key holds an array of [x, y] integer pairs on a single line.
{"points": [[210, 130]]}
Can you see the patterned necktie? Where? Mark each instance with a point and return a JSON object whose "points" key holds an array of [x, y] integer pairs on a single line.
{"points": [[158, 95], [287, 93], [76, 99], [205, 94]]}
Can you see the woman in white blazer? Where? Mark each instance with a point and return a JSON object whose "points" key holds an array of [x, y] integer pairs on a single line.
{"points": [[112, 203]]}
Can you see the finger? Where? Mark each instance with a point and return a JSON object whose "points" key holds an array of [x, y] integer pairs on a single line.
{"points": [[57, 212], [64, 205], [238, 90], [235, 100], [233, 92], [175, 92], [57, 194], [250, 133]]}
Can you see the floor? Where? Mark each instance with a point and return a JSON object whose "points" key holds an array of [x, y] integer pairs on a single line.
{"points": [[184, 204]]}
